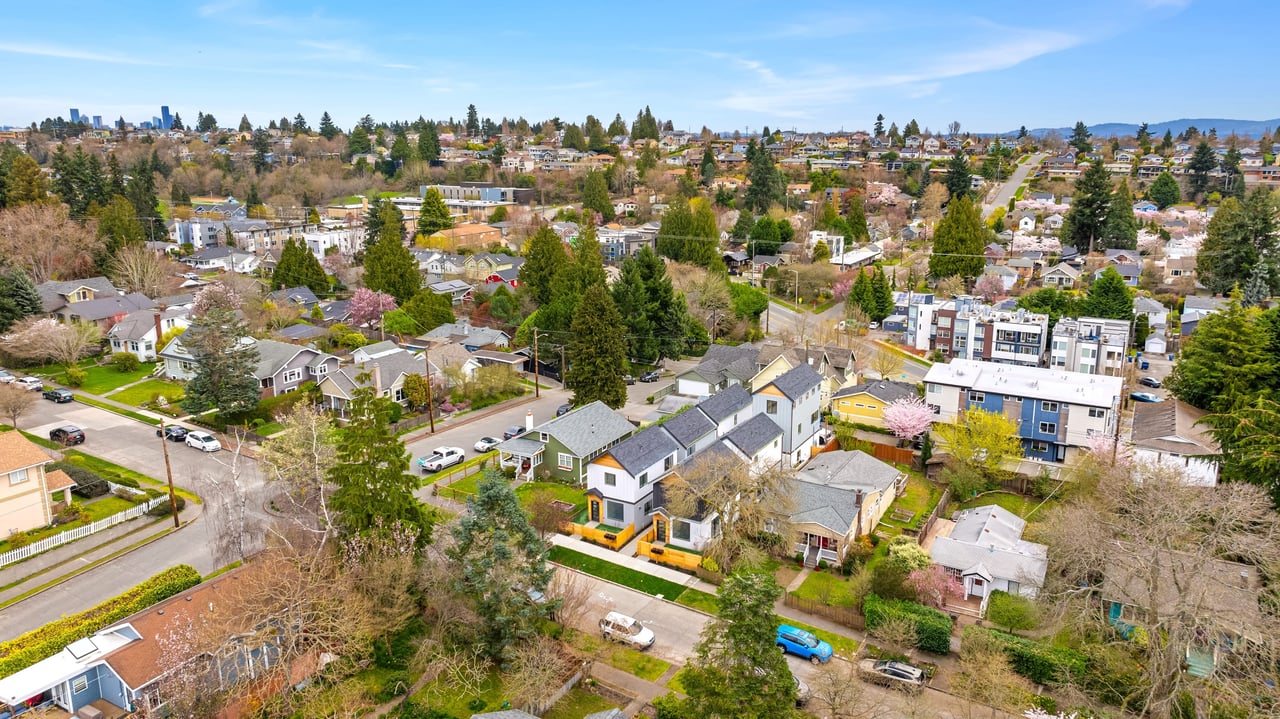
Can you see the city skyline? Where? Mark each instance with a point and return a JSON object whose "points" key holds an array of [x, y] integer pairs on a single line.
{"points": [[992, 66]]}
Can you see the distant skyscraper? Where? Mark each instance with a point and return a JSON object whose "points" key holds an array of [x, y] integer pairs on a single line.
{"points": [[97, 122], [166, 120], [75, 116]]}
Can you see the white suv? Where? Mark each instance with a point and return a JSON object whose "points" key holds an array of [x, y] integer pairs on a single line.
{"points": [[203, 441], [628, 630], [35, 384]]}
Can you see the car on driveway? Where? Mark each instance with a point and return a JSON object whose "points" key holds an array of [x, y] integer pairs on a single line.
{"points": [[174, 433], [1144, 397], [650, 376], [203, 441], [35, 384], [440, 458], [564, 409], [628, 379], [58, 396], [1150, 382], [513, 431], [6, 377], [485, 444], [618, 627], [803, 644], [898, 675], [67, 435]]}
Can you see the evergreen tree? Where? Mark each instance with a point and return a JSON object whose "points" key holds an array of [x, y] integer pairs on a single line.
{"points": [[707, 168], [1080, 138], [299, 268], [912, 128], [958, 180], [631, 297], [1237, 335], [1203, 161], [1121, 229], [176, 124], [1086, 222], [429, 143], [434, 215], [703, 246], [879, 126], [821, 252], [328, 130], [1164, 191], [854, 227], [742, 228], [428, 310], [645, 127], [766, 184], [544, 256], [224, 362], [245, 125], [617, 127], [958, 242], [765, 239], [300, 125], [595, 195], [359, 143], [400, 151], [501, 559], [597, 351], [381, 212], [676, 228], [18, 298], [389, 266], [261, 148], [473, 121], [674, 329], [1108, 297], [1240, 236], [573, 138], [373, 487], [118, 227], [24, 183], [881, 295], [1257, 290], [860, 295]]}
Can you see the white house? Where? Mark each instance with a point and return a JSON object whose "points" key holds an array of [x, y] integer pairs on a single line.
{"points": [[228, 259], [1168, 434], [986, 552], [139, 332], [623, 477], [793, 400]]}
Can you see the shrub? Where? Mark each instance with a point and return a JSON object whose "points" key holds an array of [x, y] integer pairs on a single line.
{"points": [[395, 651], [164, 509], [1011, 612], [39, 644], [396, 412], [396, 684], [933, 628], [1039, 662], [18, 540], [125, 362], [75, 376], [88, 483]]}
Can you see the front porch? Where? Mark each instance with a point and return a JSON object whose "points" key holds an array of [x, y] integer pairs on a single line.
{"points": [[521, 454], [817, 548], [50, 710]]}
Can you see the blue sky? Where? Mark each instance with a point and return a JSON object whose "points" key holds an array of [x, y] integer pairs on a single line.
{"points": [[992, 66]]}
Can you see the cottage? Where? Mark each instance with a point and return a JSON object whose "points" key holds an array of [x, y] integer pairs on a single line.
{"points": [[29, 495], [385, 371], [838, 497], [138, 333], [1062, 276], [865, 402], [562, 448], [469, 336], [984, 549], [1169, 434]]}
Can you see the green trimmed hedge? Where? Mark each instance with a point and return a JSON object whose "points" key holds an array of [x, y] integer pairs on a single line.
{"points": [[40, 644], [1037, 661], [933, 628]]}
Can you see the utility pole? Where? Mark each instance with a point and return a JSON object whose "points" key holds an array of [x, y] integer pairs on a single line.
{"points": [[431, 408], [536, 388], [168, 471]]}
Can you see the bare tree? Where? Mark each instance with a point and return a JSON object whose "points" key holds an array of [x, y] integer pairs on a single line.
{"points": [[886, 363], [935, 196], [899, 632], [299, 458], [15, 402], [573, 591], [47, 243], [987, 680], [539, 668], [137, 268], [1184, 562], [228, 520], [836, 693], [45, 339], [950, 286], [544, 515]]}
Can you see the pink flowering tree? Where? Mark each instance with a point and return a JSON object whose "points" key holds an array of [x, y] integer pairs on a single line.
{"points": [[215, 295], [908, 417], [933, 586], [368, 305], [989, 287]]}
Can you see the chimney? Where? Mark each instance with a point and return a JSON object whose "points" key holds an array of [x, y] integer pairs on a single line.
{"points": [[377, 379], [857, 505], [528, 421], [159, 330]]}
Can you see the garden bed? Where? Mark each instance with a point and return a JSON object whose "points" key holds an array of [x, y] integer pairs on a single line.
{"points": [[918, 502]]}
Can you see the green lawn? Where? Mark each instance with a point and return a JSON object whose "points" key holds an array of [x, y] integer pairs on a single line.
{"points": [[562, 492], [826, 587], [577, 704], [1019, 504], [433, 478], [441, 695], [84, 399], [97, 509], [108, 470], [49, 370], [919, 499], [629, 660], [106, 505], [700, 600], [148, 391], [675, 684], [269, 429], [842, 646], [103, 379], [625, 576]]}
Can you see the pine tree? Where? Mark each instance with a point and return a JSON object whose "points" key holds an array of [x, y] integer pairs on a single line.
{"points": [[429, 310], [742, 228], [300, 125], [958, 242], [500, 559], [25, 184], [1108, 297], [389, 266], [617, 127], [676, 228], [1203, 161], [473, 121], [1227, 362], [299, 268], [434, 215], [595, 195], [1241, 235], [177, 123], [1080, 138], [373, 487], [1085, 224], [881, 296], [879, 126], [912, 128], [573, 138], [1121, 229], [1164, 191], [703, 247], [765, 238], [765, 182], [597, 351], [224, 362], [707, 168], [328, 130], [18, 298], [118, 226], [855, 221], [631, 297], [958, 181], [381, 212], [1257, 290], [544, 256]]}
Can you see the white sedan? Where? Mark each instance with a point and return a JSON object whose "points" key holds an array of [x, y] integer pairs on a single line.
{"points": [[35, 384], [203, 441]]}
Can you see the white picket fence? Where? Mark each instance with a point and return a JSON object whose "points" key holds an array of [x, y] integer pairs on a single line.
{"points": [[57, 540]]}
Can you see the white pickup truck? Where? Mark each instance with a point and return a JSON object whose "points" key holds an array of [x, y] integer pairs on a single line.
{"points": [[440, 458]]}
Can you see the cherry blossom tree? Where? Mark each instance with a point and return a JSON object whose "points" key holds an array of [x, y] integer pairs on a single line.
{"points": [[908, 417], [933, 586], [368, 305], [989, 287]]}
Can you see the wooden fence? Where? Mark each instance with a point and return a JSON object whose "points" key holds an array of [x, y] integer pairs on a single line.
{"points": [[669, 555], [61, 538], [844, 616], [939, 510], [893, 455], [605, 538]]}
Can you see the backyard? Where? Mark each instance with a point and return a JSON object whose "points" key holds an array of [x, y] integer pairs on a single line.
{"points": [[914, 505], [561, 492]]}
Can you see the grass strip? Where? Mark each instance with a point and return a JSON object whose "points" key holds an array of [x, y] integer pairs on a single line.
{"points": [[625, 576], [112, 408]]}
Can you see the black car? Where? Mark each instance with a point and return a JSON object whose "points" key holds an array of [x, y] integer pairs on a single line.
{"points": [[650, 376], [67, 435], [58, 396], [1149, 382], [174, 433], [563, 409], [514, 430]]}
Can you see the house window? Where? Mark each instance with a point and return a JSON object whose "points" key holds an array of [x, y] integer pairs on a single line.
{"points": [[1040, 447], [613, 511], [666, 463], [292, 375], [680, 530], [1097, 412], [610, 479], [564, 461], [977, 397], [1048, 428], [771, 407], [133, 346], [813, 417], [79, 684], [18, 476], [644, 479], [1048, 406], [320, 370], [542, 437]]}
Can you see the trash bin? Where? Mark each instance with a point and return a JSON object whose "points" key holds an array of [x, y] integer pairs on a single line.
{"points": [[1145, 365], [1170, 357]]}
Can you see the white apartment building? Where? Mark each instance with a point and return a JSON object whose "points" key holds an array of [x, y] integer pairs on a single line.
{"points": [[1091, 345]]}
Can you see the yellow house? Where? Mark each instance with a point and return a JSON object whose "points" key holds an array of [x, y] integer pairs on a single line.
{"points": [[865, 402], [835, 364], [28, 494]]}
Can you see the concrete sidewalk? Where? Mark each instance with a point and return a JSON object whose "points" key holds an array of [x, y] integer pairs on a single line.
{"points": [[578, 544]]}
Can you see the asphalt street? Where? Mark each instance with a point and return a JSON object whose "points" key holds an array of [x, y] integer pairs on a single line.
{"points": [[1010, 186]]}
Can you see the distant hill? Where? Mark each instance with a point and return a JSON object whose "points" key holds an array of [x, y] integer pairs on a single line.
{"points": [[1251, 128]]}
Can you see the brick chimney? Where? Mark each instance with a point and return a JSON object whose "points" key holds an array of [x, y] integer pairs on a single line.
{"points": [[377, 380]]}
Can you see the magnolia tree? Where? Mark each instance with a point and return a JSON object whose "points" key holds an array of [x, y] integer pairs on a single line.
{"points": [[217, 295], [934, 585], [989, 287], [908, 417], [48, 340], [367, 305]]}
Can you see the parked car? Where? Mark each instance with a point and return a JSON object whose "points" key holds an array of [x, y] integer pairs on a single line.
{"points": [[650, 376], [67, 435], [58, 396], [440, 458], [899, 675], [485, 444], [513, 431], [563, 409], [1150, 382], [6, 377], [35, 384], [619, 627], [203, 441], [803, 644], [873, 326], [1144, 397], [174, 433], [628, 379], [190, 276]]}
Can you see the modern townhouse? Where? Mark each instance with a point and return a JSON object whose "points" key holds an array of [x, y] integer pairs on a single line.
{"points": [[793, 402], [1056, 410], [620, 481], [1092, 345], [966, 328]]}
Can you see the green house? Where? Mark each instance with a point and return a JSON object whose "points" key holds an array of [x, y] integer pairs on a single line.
{"points": [[560, 449]]}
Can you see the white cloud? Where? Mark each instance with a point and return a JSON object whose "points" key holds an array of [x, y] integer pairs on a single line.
{"points": [[70, 53]]}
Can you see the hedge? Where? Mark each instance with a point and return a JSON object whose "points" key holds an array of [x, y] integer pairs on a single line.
{"points": [[88, 483], [1037, 661], [933, 628], [40, 644]]}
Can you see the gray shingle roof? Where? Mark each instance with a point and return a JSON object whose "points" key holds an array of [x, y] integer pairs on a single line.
{"points": [[883, 390], [796, 381], [688, 426], [754, 434], [101, 309], [51, 292], [849, 471], [297, 295], [723, 361], [136, 325], [641, 450], [725, 402], [587, 429], [988, 540]]}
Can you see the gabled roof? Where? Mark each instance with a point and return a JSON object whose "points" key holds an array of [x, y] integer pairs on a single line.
{"points": [[795, 382], [297, 295], [273, 356], [753, 435], [101, 309], [643, 449], [883, 390], [137, 325], [1171, 427], [1146, 305], [1064, 269], [1205, 304], [52, 292], [724, 403], [988, 540], [300, 331], [18, 452], [689, 426], [588, 428]]}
